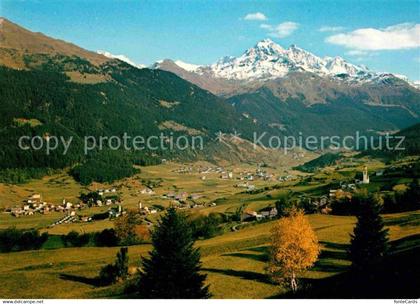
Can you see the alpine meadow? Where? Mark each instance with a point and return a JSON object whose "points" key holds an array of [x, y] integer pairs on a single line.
{"points": [[209, 150]]}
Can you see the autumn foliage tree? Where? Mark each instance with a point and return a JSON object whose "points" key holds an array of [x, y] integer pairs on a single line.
{"points": [[294, 248], [125, 227]]}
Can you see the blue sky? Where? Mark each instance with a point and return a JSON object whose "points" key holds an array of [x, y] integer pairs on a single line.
{"points": [[380, 34]]}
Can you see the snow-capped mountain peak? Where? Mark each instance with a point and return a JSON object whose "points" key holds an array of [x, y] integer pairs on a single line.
{"points": [[268, 60], [338, 65], [265, 43], [267, 47], [187, 66], [304, 60]]}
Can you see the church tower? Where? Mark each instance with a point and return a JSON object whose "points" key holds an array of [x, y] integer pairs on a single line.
{"points": [[365, 176]]}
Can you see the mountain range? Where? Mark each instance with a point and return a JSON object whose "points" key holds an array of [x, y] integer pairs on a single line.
{"points": [[294, 91], [268, 61], [49, 86]]}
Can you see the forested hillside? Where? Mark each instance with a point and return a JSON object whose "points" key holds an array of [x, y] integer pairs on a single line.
{"points": [[43, 101], [342, 116]]}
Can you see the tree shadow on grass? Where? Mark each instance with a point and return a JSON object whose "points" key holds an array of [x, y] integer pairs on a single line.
{"points": [[327, 266], [89, 281], [331, 254], [337, 246], [396, 277], [252, 256], [262, 249], [247, 275], [261, 257], [405, 243]]}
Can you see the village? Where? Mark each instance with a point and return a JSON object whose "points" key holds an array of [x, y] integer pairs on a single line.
{"points": [[35, 204]]}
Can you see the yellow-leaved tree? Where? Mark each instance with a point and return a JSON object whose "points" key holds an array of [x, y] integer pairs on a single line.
{"points": [[294, 248], [125, 227]]}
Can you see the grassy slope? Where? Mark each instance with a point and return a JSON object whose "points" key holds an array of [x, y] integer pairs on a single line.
{"points": [[234, 262], [395, 277]]}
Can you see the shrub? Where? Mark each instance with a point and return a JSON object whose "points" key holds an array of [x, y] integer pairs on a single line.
{"points": [[74, 239], [283, 206], [403, 201], [111, 273], [343, 206], [206, 226], [106, 238], [12, 239], [107, 275], [306, 205]]}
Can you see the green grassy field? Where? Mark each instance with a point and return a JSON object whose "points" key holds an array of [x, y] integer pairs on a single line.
{"points": [[235, 262]]}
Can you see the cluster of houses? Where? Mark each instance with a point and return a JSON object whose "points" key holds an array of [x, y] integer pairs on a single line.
{"points": [[65, 220], [147, 191], [144, 210], [225, 174], [181, 196], [183, 200], [285, 178], [267, 213], [249, 187], [207, 170], [113, 212], [259, 174], [346, 188], [184, 170], [34, 204], [72, 217], [102, 192]]}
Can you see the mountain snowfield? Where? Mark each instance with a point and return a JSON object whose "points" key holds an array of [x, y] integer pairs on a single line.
{"points": [[268, 60], [120, 57]]}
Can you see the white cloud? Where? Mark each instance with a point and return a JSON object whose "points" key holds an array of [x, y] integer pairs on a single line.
{"points": [[255, 16], [357, 53], [122, 58], [331, 28], [280, 30], [396, 37], [266, 26]]}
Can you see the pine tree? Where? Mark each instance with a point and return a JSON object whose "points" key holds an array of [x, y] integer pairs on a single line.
{"points": [[172, 270], [369, 241]]}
